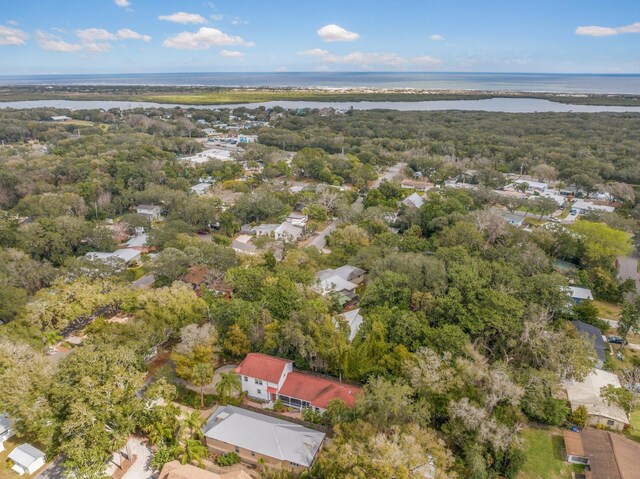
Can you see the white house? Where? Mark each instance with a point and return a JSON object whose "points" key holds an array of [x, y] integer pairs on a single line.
{"points": [[265, 229], [262, 375], [587, 393], [513, 220], [578, 294], [584, 207], [26, 459], [6, 430], [60, 118], [559, 199], [334, 283], [354, 320], [288, 232], [128, 255], [414, 200], [153, 212], [297, 219], [532, 185], [139, 241], [201, 188], [344, 279], [269, 378]]}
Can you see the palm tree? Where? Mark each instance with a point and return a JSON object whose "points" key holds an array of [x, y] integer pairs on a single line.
{"points": [[193, 450], [194, 422], [159, 433], [229, 383], [201, 375]]}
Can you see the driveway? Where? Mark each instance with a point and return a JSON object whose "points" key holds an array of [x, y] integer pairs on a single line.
{"points": [[320, 241], [211, 387], [390, 174], [141, 469], [628, 269], [52, 471]]}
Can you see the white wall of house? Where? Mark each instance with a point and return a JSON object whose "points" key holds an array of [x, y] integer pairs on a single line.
{"points": [[258, 389]]}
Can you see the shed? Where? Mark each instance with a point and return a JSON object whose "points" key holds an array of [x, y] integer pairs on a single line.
{"points": [[26, 459]]}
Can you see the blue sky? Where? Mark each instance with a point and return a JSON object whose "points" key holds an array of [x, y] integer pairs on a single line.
{"points": [[129, 36]]}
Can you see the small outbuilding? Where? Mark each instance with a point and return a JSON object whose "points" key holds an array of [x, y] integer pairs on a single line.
{"points": [[26, 459]]}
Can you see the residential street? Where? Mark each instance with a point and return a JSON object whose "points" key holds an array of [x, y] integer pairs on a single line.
{"points": [[390, 174], [320, 241], [628, 269], [53, 471]]}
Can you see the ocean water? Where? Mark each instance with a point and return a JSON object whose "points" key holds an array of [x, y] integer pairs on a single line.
{"points": [[517, 82]]}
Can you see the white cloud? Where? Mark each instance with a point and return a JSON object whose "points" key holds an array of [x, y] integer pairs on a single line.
{"points": [[315, 52], [323, 68], [203, 39], [217, 17], [282, 69], [126, 34], [51, 43], [597, 31], [122, 3], [12, 22], [96, 47], [390, 60], [231, 54], [335, 33], [238, 21], [91, 35], [12, 36], [436, 38], [183, 18]]}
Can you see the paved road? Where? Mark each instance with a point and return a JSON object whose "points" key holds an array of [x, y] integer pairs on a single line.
{"points": [[628, 269], [320, 241], [53, 471], [614, 324], [390, 174]]}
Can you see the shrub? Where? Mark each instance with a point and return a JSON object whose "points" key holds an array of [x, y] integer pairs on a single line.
{"points": [[227, 459], [579, 417]]}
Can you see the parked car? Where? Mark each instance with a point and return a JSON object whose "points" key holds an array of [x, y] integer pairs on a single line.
{"points": [[614, 339], [573, 212]]}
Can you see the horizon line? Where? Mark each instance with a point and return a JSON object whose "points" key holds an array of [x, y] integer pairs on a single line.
{"points": [[323, 73]]}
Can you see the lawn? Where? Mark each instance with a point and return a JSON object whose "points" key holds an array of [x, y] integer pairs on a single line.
{"points": [[634, 431], [544, 455], [608, 310]]}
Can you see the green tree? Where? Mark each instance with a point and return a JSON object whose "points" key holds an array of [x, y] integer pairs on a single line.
{"points": [[228, 384], [201, 375], [236, 343], [629, 321]]}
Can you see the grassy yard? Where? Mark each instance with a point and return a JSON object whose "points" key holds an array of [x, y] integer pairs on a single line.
{"points": [[608, 310], [544, 452], [634, 431]]}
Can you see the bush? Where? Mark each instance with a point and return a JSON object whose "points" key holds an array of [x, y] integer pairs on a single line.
{"points": [[227, 459], [579, 417], [192, 399], [278, 406]]}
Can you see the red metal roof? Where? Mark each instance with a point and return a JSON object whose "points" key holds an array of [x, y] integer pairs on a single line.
{"points": [[261, 366], [318, 391]]}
